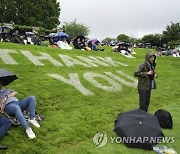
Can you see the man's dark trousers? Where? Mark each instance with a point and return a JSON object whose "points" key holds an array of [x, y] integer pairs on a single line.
{"points": [[144, 99]]}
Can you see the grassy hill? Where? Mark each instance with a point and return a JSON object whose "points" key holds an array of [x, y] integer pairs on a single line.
{"points": [[72, 116]]}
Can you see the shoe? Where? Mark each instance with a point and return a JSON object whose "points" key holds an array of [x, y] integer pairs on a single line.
{"points": [[3, 147], [30, 133], [34, 122]]}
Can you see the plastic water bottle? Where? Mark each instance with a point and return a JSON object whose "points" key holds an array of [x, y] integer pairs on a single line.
{"points": [[159, 149]]}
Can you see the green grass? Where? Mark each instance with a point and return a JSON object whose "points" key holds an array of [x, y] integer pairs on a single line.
{"points": [[72, 119]]}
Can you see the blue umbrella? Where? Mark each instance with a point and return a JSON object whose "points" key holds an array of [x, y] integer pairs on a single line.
{"points": [[62, 34]]}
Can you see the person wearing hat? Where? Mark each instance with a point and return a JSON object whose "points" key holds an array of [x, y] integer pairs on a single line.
{"points": [[146, 80]]}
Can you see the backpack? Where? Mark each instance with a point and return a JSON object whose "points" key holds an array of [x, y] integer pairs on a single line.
{"points": [[164, 118]]}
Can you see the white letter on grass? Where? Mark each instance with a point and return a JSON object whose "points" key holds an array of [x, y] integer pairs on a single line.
{"points": [[70, 62], [5, 56], [93, 61], [73, 81], [129, 84], [112, 62], [37, 59], [113, 85]]}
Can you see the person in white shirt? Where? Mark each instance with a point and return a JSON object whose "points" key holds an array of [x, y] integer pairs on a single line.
{"points": [[63, 44]]}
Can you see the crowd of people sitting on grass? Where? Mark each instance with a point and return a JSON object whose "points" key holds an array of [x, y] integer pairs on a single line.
{"points": [[62, 40], [80, 42], [124, 49], [27, 38], [175, 52]]}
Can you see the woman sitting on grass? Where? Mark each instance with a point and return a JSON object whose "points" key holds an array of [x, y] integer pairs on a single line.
{"points": [[13, 107], [94, 47], [63, 44]]}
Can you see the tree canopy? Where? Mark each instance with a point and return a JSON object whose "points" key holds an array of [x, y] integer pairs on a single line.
{"points": [[172, 33], [74, 29], [123, 38], [40, 13], [154, 39]]}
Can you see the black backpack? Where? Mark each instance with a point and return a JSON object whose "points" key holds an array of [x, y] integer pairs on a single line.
{"points": [[164, 118]]}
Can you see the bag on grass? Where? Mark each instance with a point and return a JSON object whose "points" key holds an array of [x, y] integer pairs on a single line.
{"points": [[15, 122], [164, 118]]}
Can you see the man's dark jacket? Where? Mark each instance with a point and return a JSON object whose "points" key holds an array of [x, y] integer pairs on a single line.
{"points": [[144, 80]]}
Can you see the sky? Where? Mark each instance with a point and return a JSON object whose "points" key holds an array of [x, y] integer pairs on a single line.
{"points": [[109, 18]]}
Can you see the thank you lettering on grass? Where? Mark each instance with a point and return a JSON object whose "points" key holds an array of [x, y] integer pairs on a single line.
{"points": [[107, 81]]}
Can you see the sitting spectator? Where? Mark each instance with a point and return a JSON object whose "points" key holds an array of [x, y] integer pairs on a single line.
{"points": [[79, 43], [13, 107], [171, 52], [17, 38], [35, 40], [94, 47], [5, 38], [63, 44], [28, 40], [123, 49], [5, 124], [176, 53], [159, 52]]}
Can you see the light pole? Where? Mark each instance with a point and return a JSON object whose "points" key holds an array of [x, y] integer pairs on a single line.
{"points": [[160, 40]]}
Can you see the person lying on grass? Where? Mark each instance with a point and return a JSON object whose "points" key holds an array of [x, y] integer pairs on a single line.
{"points": [[13, 107]]}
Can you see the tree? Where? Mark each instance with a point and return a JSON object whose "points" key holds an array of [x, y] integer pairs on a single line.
{"points": [[123, 38], [154, 39], [172, 33], [41, 13], [108, 39], [74, 29], [133, 40], [173, 44]]}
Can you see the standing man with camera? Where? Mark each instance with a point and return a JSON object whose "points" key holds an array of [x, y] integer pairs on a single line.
{"points": [[146, 80]]}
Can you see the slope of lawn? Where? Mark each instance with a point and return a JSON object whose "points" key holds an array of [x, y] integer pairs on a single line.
{"points": [[71, 118]]}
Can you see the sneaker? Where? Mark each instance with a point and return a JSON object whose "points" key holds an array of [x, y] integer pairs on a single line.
{"points": [[30, 133], [34, 122]]}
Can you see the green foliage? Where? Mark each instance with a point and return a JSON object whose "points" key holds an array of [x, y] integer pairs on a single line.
{"points": [[23, 27], [154, 39], [133, 40], [74, 29], [109, 39], [123, 38], [172, 33], [42, 30], [173, 44], [38, 30], [43, 13]]}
